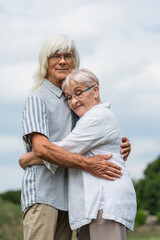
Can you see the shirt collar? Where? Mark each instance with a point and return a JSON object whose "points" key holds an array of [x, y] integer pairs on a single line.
{"points": [[52, 87]]}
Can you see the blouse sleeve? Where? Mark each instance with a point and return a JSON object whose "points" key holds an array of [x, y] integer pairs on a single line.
{"points": [[87, 134]]}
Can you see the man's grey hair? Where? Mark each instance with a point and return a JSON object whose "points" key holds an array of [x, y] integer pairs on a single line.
{"points": [[57, 43], [83, 76]]}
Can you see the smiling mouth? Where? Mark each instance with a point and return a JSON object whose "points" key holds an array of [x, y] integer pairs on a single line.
{"points": [[77, 107], [65, 69]]}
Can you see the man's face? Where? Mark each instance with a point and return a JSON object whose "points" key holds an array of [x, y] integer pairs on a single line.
{"points": [[59, 66]]}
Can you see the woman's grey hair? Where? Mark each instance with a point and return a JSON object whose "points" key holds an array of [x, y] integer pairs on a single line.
{"points": [[57, 43], [83, 76]]}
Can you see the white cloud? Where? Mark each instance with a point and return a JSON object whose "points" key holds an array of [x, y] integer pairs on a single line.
{"points": [[17, 81], [136, 171], [11, 177], [10, 144]]}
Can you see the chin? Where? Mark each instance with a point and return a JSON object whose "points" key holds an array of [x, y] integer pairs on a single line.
{"points": [[62, 77], [79, 113]]}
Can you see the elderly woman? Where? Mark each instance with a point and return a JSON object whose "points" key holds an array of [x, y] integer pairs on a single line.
{"points": [[100, 209]]}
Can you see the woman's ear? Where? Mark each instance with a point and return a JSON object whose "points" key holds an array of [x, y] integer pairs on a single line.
{"points": [[96, 90]]}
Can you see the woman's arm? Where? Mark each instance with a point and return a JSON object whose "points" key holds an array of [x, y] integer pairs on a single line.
{"points": [[28, 159]]}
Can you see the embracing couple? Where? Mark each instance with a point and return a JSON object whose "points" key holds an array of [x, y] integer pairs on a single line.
{"points": [[75, 175]]}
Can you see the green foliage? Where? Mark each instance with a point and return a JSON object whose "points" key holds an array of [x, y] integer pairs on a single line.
{"points": [[148, 189], [12, 196], [139, 187], [153, 169], [158, 215], [140, 217], [10, 221]]}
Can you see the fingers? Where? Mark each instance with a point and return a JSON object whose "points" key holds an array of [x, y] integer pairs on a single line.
{"points": [[113, 173], [125, 156], [111, 166], [125, 142], [106, 156], [109, 175], [126, 145], [125, 148], [21, 164], [108, 171], [125, 153], [104, 169], [124, 139]]}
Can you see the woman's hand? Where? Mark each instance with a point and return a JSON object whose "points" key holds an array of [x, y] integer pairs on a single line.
{"points": [[28, 159], [125, 148]]}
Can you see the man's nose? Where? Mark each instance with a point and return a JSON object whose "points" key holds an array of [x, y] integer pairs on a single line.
{"points": [[62, 60]]}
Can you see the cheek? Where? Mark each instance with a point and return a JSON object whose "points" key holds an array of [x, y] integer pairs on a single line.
{"points": [[70, 106], [71, 67], [90, 103]]}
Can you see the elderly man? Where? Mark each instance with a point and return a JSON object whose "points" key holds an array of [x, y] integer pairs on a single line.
{"points": [[47, 118]]}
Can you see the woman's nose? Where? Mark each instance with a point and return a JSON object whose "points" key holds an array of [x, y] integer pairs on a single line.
{"points": [[74, 100]]}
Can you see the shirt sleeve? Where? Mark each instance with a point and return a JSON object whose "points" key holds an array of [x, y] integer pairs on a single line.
{"points": [[34, 118], [87, 134]]}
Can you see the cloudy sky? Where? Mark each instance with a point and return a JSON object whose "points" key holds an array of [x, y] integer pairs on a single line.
{"points": [[119, 40]]}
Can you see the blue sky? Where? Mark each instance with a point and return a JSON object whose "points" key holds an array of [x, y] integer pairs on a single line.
{"points": [[118, 40]]}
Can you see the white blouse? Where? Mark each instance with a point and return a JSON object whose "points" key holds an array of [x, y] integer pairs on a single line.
{"points": [[97, 132]]}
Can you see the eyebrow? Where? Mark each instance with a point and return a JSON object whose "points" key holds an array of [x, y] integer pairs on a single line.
{"points": [[77, 87], [73, 90]]}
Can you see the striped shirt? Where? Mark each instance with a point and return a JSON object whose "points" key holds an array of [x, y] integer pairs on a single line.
{"points": [[46, 113]]}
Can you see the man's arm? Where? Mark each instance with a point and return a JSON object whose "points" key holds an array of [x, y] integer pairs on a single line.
{"points": [[97, 165], [28, 159]]}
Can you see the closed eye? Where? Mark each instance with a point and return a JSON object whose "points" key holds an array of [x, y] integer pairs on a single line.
{"points": [[68, 98], [78, 93]]}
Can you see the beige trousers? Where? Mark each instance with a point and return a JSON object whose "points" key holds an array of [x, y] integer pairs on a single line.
{"points": [[43, 222], [102, 229]]}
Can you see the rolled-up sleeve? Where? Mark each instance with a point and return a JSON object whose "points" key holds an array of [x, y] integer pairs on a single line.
{"points": [[34, 118]]}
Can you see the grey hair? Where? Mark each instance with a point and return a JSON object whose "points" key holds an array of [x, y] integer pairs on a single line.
{"points": [[55, 43], [83, 76]]}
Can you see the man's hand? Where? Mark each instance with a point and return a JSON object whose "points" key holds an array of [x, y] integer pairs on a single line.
{"points": [[100, 167], [125, 148], [28, 159]]}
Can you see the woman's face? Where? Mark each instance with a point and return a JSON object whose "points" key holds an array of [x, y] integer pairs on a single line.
{"points": [[80, 102]]}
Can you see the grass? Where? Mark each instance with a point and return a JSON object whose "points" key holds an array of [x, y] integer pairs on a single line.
{"points": [[145, 232], [132, 238], [10, 221], [145, 238], [140, 233], [11, 225]]}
